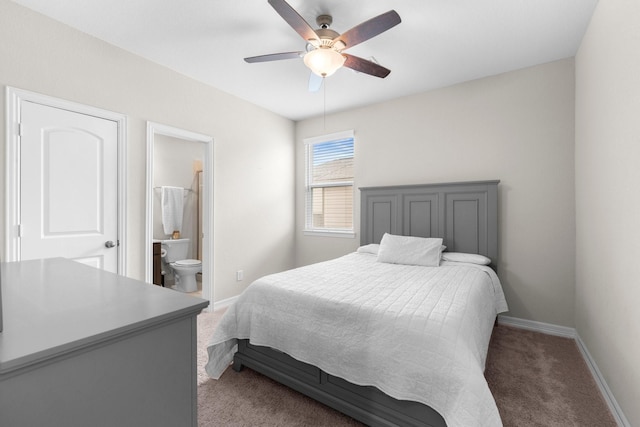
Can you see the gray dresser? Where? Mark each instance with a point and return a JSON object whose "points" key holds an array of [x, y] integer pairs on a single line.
{"points": [[83, 347]]}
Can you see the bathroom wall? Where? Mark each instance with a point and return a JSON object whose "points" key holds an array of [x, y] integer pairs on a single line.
{"points": [[175, 162]]}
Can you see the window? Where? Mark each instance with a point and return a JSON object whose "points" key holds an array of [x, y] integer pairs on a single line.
{"points": [[329, 184]]}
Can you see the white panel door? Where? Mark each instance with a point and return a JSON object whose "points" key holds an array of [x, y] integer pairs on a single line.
{"points": [[69, 186]]}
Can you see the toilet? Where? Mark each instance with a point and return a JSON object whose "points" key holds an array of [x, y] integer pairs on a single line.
{"points": [[174, 252]]}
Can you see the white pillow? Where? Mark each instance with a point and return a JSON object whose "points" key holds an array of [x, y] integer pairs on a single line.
{"points": [[410, 250], [463, 257], [369, 249]]}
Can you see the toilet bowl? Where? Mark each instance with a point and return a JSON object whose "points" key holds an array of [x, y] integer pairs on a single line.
{"points": [[174, 253], [185, 274]]}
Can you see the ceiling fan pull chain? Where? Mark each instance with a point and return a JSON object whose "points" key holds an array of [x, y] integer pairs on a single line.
{"points": [[324, 109]]}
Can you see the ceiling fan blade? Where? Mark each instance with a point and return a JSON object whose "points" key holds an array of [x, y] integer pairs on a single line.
{"points": [[315, 82], [294, 19], [369, 29], [274, 57], [365, 66]]}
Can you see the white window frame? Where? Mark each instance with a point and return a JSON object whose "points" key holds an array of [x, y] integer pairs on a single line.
{"points": [[309, 230]]}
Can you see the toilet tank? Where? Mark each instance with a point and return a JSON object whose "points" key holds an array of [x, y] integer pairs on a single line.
{"points": [[176, 250]]}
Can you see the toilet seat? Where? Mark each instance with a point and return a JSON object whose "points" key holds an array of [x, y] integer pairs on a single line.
{"points": [[188, 262]]}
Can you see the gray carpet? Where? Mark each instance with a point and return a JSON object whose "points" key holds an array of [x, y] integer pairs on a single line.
{"points": [[536, 379]]}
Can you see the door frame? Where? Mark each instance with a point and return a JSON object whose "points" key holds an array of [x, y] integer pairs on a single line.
{"points": [[154, 129], [13, 115]]}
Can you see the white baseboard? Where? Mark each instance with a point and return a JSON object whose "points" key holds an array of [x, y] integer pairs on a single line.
{"points": [[219, 305], [616, 411], [563, 331], [532, 325]]}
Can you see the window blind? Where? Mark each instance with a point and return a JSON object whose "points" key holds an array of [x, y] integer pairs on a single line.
{"points": [[330, 176]]}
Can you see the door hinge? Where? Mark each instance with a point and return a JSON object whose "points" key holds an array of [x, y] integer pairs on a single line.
{"points": [[20, 130], [19, 230]]}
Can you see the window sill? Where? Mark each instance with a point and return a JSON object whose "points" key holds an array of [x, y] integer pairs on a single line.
{"points": [[330, 233]]}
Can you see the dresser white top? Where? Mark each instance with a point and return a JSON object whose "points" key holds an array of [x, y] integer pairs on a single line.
{"points": [[54, 306]]}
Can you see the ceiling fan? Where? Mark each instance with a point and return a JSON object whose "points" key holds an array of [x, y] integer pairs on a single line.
{"points": [[324, 50]]}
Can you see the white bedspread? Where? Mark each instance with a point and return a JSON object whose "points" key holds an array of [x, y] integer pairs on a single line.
{"points": [[416, 333]]}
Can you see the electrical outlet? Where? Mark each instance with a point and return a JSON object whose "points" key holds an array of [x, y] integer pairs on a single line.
{"points": [[239, 275]]}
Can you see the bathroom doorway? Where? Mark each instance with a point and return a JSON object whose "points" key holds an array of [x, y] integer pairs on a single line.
{"points": [[180, 160]]}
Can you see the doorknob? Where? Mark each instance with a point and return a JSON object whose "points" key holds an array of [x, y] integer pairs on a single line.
{"points": [[109, 244]]}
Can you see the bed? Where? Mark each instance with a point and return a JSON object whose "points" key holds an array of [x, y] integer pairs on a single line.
{"points": [[388, 343]]}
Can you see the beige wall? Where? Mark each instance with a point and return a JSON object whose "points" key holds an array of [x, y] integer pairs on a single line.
{"points": [[608, 197], [517, 127], [253, 182]]}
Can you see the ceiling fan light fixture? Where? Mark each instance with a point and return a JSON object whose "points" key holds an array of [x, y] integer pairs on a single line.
{"points": [[324, 61]]}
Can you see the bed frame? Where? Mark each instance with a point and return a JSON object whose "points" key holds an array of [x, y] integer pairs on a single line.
{"points": [[465, 215]]}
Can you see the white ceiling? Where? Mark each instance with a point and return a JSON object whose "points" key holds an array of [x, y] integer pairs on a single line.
{"points": [[437, 44]]}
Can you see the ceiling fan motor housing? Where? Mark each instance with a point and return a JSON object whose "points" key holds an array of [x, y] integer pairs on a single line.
{"points": [[325, 34], [326, 37]]}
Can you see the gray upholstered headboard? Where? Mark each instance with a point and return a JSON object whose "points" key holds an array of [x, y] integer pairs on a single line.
{"points": [[464, 214]]}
